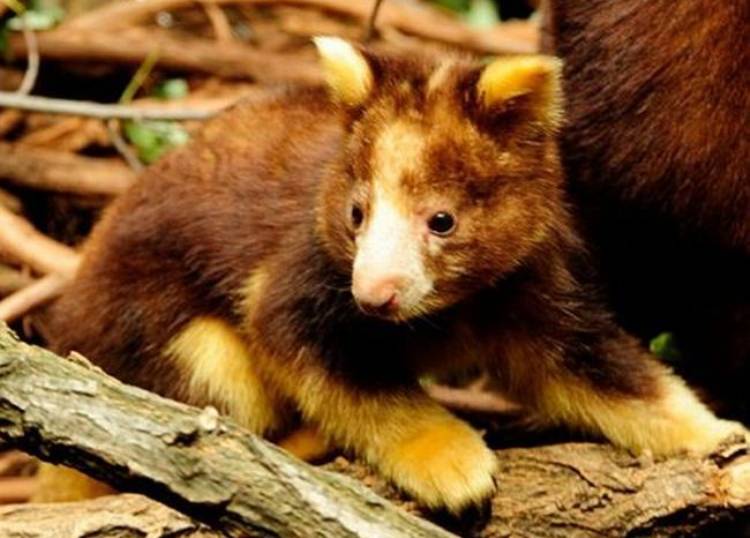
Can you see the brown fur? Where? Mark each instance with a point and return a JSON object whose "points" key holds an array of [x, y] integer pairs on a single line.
{"points": [[657, 147], [247, 233]]}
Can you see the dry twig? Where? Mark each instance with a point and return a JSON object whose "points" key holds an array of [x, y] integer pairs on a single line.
{"points": [[32, 61], [60, 171], [232, 60], [218, 19], [12, 280], [22, 242], [99, 110], [32, 296], [472, 401]]}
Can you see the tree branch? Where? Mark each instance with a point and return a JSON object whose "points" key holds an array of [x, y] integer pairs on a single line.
{"points": [[191, 460], [210, 469], [23, 243], [99, 110], [62, 171]]}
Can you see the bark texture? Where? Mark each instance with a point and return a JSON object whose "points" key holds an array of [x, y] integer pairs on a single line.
{"points": [[66, 411], [117, 516], [192, 460]]}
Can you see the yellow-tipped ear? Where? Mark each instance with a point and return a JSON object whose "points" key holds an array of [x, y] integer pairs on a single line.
{"points": [[346, 70], [515, 76]]}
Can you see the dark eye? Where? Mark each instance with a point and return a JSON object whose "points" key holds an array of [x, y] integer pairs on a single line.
{"points": [[357, 216], [441, 223]]}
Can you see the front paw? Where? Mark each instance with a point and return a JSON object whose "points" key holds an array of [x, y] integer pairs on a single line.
{"points": [[705, 441], [445, 466]]}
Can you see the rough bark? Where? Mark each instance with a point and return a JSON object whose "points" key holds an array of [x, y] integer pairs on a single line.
{"points": [[67, 412], [118, 516], [192, 460], [587, 490]]}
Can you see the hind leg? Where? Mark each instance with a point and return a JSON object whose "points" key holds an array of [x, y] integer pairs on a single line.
{"points": [[624, 394], [215, 369]]}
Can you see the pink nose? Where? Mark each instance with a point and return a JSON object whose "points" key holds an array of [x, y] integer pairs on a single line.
{"points": [[378, 296]]}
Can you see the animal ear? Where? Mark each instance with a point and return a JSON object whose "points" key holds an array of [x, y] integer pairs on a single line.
{"points": [[527, 84], [346, 70]]}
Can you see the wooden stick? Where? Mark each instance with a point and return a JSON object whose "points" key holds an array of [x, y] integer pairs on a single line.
{"points": [[13, 461], [32, 296], [218, 19], [232, 60], [466, 400], [9, 120], [60, 171], [98, 110], [16, 490], [10, 201], [22, 242], [32, 61], [12, 280]]}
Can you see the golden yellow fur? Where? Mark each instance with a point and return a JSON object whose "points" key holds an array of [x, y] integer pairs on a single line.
{"points": [[307, 443], [509, 78], [62, 484], [675, 423], [409, 437], [217, 365], [430, 453], [346, 72]]}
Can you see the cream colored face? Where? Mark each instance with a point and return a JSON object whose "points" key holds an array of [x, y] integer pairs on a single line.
{"points": [[389, 274]]}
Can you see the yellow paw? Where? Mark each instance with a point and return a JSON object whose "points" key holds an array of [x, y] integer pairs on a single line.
{"points": [[704, 441], [444, 466]]}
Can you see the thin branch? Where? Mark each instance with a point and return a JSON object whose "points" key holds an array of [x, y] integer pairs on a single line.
{"points": [[231, 60], [12, 280], [122, 147], [60, 171], [467, 400], [10, 201], [99, 110], [32, 296], [218, 19], [22, 242], [9, 120], [32, 61], [16, 490], [370, 29]]}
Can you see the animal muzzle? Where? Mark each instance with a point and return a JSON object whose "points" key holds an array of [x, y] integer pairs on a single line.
{"points": [[379, 294]]}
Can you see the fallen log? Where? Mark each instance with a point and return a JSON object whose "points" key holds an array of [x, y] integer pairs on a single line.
{"points": [[210, 469], [69, 412]]}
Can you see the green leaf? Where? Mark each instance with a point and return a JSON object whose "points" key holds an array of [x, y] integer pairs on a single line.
{"points": [[152, 139], [665, 347], [42, 19], [482, 14], [173, 88]]}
